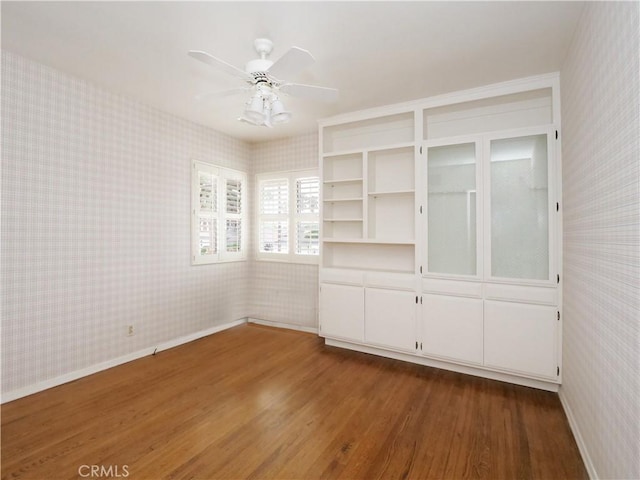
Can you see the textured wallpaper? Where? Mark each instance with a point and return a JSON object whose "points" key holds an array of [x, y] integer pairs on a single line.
{"points": [[95, 226], [284, 292], [601, 194]]}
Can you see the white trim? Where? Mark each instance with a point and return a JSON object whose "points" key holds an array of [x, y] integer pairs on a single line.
{"points": [[536, 82], [454, 367], [575, 429], [85, 372], [289, 326]]}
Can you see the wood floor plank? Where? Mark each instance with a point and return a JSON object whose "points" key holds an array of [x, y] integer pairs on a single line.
{"points": [[255, 402]]}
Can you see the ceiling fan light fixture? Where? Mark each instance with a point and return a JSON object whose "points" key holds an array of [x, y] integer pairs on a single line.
{"points": [[254, 111], [278, 114]]}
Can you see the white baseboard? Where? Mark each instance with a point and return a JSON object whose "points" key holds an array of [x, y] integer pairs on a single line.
{"points": [[71, 376], [586, 458], [429, 362], [290, 326]]}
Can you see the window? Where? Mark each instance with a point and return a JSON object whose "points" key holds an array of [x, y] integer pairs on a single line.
{"points": [[288, 213], [218, 217]]}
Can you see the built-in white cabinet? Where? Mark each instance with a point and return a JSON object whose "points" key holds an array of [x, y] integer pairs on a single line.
{"points": [[440, 231]]}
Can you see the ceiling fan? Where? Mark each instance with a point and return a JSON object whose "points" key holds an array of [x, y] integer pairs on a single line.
{"points": [[266, 80]]}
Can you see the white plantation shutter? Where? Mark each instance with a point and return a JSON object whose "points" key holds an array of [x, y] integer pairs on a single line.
{"points": [[208, 192], [274, 236], [207, 212], [274, 208], [274, 196], [288, 210], [234, 235], [218, 214], [208, 236], [233, 215], [307, 195], [307, 238], [234, 196], [307, 208]]}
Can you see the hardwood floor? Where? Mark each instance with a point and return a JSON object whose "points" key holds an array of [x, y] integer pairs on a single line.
{"points": [[260, 403]]}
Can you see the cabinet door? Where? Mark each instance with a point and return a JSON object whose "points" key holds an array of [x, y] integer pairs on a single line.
{"points": [[390, 318], [521, 338], [519, 230], [452, 328], [342, 311], [452, 206]]}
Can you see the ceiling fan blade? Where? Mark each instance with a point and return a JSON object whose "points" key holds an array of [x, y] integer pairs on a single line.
{"points": [[323, 94], [221, 93], [221, 64], [291, 63]]}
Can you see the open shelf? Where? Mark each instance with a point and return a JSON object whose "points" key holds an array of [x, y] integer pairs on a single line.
{"points": [[391, 170], [342, 192], [371, 241], [343, 220], [392, 257], [369, 193], [344, 167], [391, 217], [342, 181], [399, 192]]}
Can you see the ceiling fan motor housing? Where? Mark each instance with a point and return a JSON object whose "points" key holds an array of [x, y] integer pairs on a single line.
{"points": [[258, 65], [263, 46]]}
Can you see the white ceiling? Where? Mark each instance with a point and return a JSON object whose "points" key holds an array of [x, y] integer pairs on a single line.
{"points": [[375, 53]]}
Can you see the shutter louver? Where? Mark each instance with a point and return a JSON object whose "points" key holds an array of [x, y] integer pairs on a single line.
{"points": [[208, 192], [234, 235], [274, 236], [307, 238], [207, 238], [234, 196], [307, 208], [274, 197], [274, 208], [207, 209], [307, 195]]}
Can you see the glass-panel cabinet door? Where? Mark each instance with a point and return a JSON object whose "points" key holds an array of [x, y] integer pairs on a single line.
{"points": [[519, 207], [452, 208]]}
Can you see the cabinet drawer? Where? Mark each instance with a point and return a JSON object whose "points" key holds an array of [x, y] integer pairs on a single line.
{"points": [[521, 293], [452, 287], [400, 281], [341, 275]]}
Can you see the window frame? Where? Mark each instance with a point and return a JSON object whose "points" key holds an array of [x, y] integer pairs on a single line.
{"points": [[221, 175], [292, 217]]}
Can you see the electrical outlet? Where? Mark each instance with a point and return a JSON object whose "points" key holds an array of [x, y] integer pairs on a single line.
{"points": [[130, 331]]}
